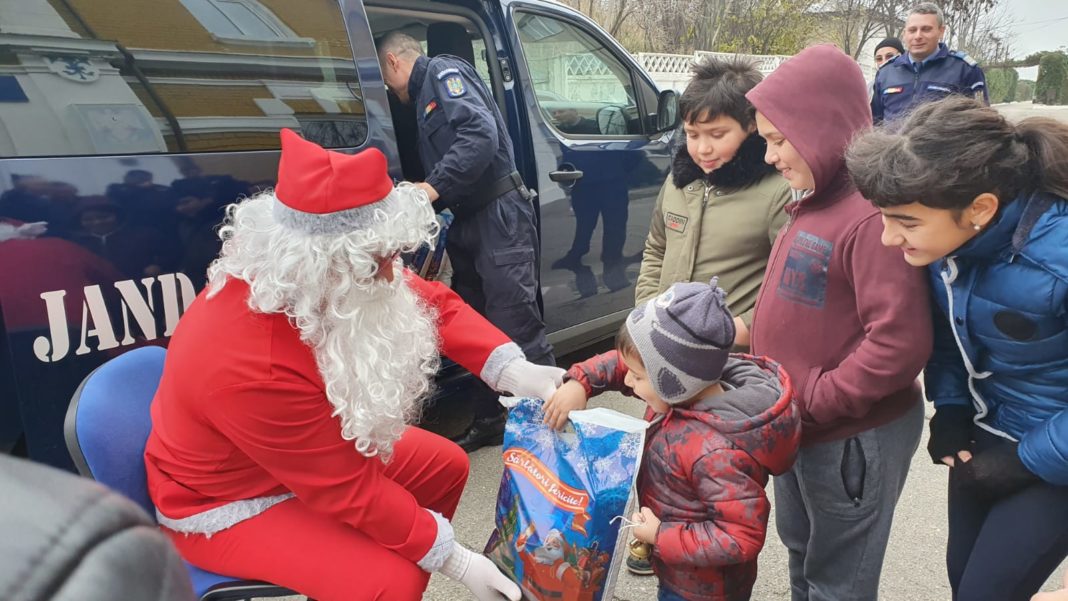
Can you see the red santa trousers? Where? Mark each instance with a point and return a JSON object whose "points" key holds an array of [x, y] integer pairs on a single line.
{"points": [[291, 546]]}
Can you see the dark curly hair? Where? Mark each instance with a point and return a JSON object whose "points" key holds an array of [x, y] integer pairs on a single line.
{"points": [[718, 88], [946, 153]]}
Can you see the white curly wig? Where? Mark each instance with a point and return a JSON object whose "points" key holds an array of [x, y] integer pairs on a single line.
{"points": [[374, 342]]}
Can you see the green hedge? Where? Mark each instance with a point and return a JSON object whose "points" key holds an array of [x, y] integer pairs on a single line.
{"points": [[1052, 84], [1001, 85], [1025, 90]]}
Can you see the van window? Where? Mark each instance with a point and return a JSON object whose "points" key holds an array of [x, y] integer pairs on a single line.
{"points": [[580, 86], [92, 78]]}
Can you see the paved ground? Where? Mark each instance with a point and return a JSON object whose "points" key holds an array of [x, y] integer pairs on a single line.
{"points": [[1022, 110]]}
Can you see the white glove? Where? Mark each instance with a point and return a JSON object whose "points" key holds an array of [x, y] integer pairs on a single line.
{"points": [[26, 231], [525, 379], [29, 231], [479, 575]]}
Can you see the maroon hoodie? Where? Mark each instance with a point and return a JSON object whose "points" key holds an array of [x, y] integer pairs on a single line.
{"points": [[847, 318]]}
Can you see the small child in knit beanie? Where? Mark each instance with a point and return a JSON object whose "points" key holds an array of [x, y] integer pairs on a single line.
{"points": [[720, 424]]}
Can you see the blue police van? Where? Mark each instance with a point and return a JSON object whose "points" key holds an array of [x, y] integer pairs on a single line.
{"points": [[127, 126]]}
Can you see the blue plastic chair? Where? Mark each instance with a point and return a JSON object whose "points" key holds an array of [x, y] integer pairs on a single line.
{"points": [[106, 428]]}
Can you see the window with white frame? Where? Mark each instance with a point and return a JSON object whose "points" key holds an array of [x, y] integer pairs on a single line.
{"points": [[239, 20]]}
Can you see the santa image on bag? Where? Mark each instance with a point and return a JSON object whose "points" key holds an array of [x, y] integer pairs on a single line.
{"points": [[280, 446]]}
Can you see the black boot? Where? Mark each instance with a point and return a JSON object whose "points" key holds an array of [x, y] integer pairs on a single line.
{"points": [[615, 276], [484, 432], [585, 282]]}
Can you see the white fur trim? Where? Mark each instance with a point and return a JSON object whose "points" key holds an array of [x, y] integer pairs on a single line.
{"points": [[443, 545], [497, 361], [220, 518], [340, 222]]}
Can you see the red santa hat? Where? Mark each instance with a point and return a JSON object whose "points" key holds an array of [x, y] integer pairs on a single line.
{"points": [[325, 192]]}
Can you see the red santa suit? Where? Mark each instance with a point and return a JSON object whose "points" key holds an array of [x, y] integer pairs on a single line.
{"points": [[250, 474], [241, 420]]}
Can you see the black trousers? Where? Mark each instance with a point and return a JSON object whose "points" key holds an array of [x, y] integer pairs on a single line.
{"points": [[494, 255], [1005, 550]]}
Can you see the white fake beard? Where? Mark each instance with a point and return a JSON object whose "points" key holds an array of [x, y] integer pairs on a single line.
{"points": [[377, 355], [375, 342]]}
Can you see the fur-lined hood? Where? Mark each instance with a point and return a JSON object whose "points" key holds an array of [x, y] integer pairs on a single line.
{"points": [[745, 169]]}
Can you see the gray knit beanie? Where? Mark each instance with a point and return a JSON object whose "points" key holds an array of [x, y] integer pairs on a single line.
{"points": [[683, 337]]}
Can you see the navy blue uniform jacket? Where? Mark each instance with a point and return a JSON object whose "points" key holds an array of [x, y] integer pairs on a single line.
{"points": [[902, 84], [463, 141]]}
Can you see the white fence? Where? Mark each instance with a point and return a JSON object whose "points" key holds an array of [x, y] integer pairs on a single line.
{"points": [[562, 77], [672, 71]]}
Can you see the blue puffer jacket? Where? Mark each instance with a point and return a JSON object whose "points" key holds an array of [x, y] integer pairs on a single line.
{"points": [[1004, 346]]}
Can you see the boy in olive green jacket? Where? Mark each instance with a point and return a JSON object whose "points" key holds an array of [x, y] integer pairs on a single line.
{"points": [[720, 209]]}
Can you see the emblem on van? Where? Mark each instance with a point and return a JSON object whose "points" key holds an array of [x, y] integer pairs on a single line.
{"points": [[74, 68]]}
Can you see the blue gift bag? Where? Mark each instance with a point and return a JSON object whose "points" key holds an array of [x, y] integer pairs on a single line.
{"points": [[554, 533]]}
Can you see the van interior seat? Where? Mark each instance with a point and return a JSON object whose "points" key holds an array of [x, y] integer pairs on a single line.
{"points": [[449, 38]]}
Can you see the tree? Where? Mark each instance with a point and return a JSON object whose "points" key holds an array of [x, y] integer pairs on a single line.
{"points": [[1052, 84], [854, 23], [766, 27], [980, 28]]}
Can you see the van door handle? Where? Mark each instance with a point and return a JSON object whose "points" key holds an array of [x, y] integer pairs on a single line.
{"points": [[565, 176]]}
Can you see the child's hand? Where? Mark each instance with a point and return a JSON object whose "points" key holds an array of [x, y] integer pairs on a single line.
{"points": [[648, 526], [569, 397]]}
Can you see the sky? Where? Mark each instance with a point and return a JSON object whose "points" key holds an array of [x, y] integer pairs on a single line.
{"points": [[1039, 25]]}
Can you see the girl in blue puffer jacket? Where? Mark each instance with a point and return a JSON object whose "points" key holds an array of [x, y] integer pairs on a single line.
{"points": [[981, 203]]}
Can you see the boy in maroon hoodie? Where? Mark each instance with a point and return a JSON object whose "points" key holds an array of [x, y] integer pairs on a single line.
{"points": [[721, 423], [851, 324]]}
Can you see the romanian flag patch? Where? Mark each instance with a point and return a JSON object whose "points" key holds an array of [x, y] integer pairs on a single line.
{"points": [[433, 104], [894, 90]]}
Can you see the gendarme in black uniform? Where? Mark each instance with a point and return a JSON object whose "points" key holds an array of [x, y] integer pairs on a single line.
{"points": [[493, 243]]}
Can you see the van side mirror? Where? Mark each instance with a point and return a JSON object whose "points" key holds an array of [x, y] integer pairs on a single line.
{"points": [[667, 111]]}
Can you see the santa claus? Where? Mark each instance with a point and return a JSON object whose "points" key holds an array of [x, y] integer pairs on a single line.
{"points": [[280, 447]]}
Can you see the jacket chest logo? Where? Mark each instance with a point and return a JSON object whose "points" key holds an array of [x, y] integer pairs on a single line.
{"points": [[676, 222]]}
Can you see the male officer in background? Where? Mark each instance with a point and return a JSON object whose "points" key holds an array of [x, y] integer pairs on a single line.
{"points": [[493, 243], [928, 71]]}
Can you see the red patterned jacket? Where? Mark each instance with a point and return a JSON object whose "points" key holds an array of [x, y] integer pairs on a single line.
{"points": [[704, 472]]}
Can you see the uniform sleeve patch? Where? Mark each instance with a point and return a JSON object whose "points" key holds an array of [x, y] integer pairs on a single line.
{"points": [[447, 72], [894, 90], [430, 108], [454, 85]]}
